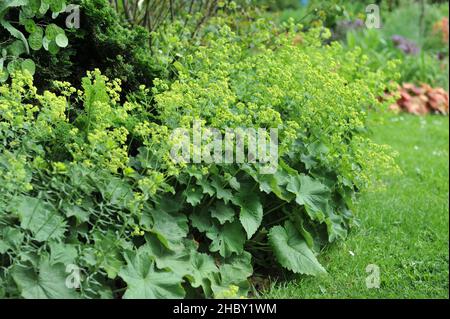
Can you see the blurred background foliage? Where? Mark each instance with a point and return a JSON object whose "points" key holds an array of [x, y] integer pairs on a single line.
{"points": [[117, 35], [414, 32]]}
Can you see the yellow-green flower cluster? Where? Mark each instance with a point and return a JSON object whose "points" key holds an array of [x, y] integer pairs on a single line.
{"points": [[315, 94]]}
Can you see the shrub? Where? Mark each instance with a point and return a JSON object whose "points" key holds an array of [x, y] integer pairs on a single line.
{"points": [[424, 66], [105, 42], [95, 187], [22, 31], [113, 47]]}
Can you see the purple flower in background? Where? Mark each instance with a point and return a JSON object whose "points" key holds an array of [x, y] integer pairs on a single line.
{"points": [[407, 46], [358, 23], [347, 25], [344, 26]]}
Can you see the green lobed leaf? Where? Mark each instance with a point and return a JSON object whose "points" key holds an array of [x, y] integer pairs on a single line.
{"points": [[236, 269], [145, 281], [39, 217], [234, 272], [61, 253], [222, 212], [221, 192], [46, 282], [292, 251], [205, 185], [10, 238], [251, 210], [108, 252], [228, 239], [185, 262], [170, 229], [194, 195], [335, 227], [311, 193]]}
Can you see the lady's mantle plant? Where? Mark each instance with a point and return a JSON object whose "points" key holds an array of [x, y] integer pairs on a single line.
{"points": [[93, 188]]}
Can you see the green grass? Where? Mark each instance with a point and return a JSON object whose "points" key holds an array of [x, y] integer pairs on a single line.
{"points": [[404, 226]]}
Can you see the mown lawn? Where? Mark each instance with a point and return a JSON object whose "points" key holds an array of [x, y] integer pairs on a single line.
{"points": [[404, 226]]}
